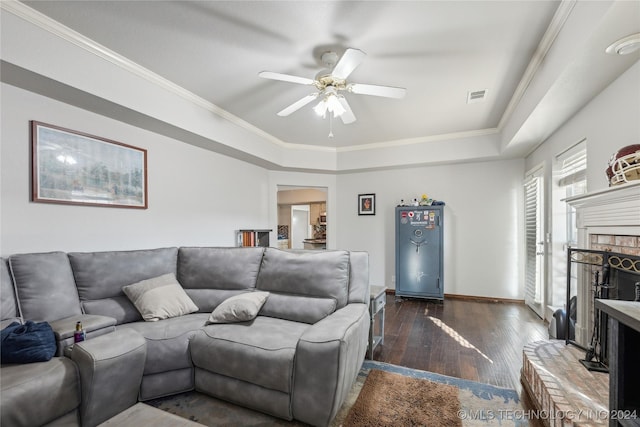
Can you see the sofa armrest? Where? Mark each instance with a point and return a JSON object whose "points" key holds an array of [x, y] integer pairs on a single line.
{"points": [[328, 358], [111, 368], [93, 325]]}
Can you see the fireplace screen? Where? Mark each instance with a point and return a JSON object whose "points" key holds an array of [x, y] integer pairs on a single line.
{"points": [[600, 274]]}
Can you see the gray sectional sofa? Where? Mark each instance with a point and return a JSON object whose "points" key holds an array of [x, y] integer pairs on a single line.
{"points": [[296, 360]]}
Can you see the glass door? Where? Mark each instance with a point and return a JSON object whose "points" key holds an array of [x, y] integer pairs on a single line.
{"points": [[535, 242]]}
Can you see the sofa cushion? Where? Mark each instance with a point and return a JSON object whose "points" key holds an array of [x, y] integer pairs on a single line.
{"points": [[45, 286], [167, 341], [239, 308], [37, 393], [260, 352], [9, 305], [210, 275], [310, 284], [100, 277], [159, 298]]}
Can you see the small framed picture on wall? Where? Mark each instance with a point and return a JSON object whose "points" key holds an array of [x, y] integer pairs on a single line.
{"points": [[366, 204]]}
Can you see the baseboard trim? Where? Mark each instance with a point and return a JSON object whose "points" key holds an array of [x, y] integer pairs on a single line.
{"points": [[472, 298], [486, 299]]}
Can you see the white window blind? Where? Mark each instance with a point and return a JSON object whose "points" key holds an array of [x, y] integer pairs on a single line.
{"points": [[571, 165], [532, 188], [571, 170]]}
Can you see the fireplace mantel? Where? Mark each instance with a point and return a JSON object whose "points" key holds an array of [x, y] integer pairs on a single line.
{"points": [[617, 207]]}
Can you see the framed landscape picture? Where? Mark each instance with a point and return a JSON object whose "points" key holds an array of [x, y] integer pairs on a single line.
{"points": [[366, 204], [75, 168]]}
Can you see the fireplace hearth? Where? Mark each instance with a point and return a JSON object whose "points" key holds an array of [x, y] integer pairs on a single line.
{"points": [[608, 224]]}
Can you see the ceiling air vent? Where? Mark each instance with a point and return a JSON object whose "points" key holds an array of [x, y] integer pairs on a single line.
{"points": [[476, 96]]}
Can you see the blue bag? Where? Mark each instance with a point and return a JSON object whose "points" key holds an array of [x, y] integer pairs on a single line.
{"points": [[28, 343]]}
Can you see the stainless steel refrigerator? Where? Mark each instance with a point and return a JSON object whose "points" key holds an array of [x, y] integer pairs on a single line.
{"points": [[419, 251]]}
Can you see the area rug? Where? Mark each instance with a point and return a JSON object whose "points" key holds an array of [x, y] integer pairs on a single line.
{"points": [[397, 400], [477, 404], [480, 404]]}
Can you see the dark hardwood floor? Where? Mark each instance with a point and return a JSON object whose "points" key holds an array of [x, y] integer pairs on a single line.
{"points": [[476, 340]]}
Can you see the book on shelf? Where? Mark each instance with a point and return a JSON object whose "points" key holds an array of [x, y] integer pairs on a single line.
{"points": [[253, 238]]}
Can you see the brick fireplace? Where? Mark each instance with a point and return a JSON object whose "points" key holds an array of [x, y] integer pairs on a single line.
{"points": [[607, 220], [566, 393], [629, 245]]}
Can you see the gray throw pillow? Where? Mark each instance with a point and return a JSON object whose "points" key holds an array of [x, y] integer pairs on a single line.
{"points": [[160, 298], [238, 308]]}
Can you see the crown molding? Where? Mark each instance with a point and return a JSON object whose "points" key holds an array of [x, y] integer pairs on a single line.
{"points": [[420, 140], [557, 23], [54, 27]]}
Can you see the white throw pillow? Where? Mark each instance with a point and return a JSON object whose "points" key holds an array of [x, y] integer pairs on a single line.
{"points": [[159, 298], [239, 308]]}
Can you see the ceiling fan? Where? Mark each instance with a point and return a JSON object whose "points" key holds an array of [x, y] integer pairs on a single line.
{"points": [[331, 82]]}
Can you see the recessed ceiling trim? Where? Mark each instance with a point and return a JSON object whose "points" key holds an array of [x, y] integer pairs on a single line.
{"points": [[557, 23], [420, 140], [54, 27]]}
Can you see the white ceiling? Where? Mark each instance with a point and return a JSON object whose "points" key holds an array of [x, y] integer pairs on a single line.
{"points": [[437, 50]]}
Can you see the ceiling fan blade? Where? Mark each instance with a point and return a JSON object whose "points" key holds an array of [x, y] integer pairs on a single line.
{"points": [[285, 78], [298, 105], [349, 61], [375, 90], [348, 116]]}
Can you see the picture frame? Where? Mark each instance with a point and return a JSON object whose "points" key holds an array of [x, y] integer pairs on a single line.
{"points": [[367, 204], [75, 168]]}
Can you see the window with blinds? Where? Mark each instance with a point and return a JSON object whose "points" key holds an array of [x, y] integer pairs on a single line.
{"points": [[571, 170]]}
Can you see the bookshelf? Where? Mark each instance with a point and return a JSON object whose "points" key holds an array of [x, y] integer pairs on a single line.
{"points": [[253, 238]]}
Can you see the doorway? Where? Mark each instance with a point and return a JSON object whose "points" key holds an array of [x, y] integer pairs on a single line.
{"points": [[292, 200], [299, 226]]}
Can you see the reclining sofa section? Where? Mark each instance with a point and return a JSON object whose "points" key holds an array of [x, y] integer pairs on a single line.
{"points": [[296, 360]]}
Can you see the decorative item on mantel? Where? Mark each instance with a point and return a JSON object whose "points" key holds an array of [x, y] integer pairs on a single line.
{"points": [[624, 165]]}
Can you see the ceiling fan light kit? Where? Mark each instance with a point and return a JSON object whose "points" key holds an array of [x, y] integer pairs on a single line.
{"points": [[330, 82], [330, 103]]}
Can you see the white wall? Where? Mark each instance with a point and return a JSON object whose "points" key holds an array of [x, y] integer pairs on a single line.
{"points": [[482, 222], [196, 197], [609, 122]]}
